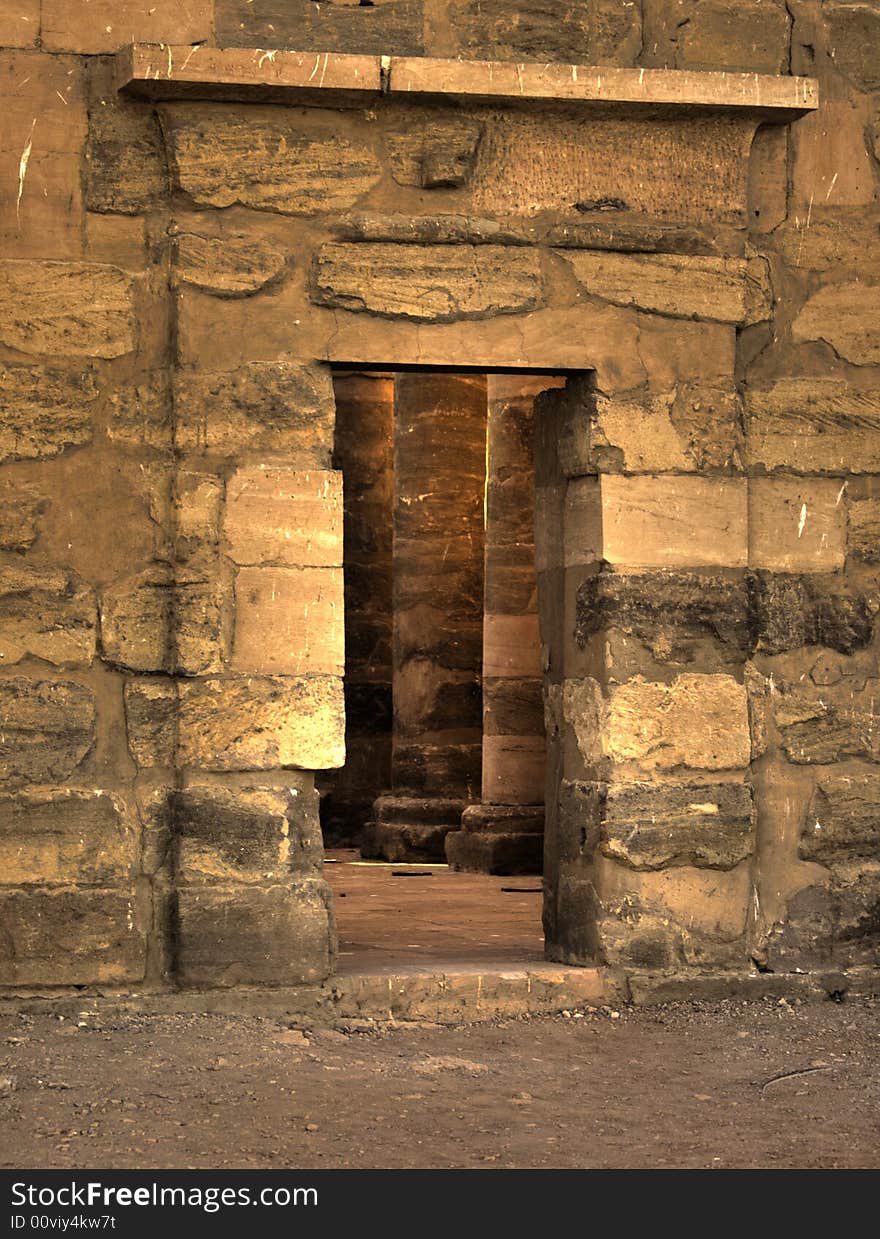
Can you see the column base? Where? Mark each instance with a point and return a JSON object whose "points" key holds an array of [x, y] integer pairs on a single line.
{"points": [[498, 839], [410, 828]]}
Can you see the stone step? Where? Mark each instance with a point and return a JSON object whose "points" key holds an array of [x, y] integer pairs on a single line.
{"points": [[404, 841], [495, 852], [419, 809]]}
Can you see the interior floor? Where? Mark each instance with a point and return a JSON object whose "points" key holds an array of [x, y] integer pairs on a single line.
{"points": [[424, 915]]}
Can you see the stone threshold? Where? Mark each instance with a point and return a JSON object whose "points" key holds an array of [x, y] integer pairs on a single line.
{"points": [[162, 71], [457, 993]]}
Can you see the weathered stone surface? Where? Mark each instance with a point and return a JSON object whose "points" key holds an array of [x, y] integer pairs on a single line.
{"points": [[439, 156], [279, 515], [854, 36], [20, 23], [688, 428], [428, 283], [20, 510], [825, 723], [125, 164], [289, 621], [844, 316], [248, 834], [95, 26], [512, 645], [651, 825], [198, 500], [513, 706], [265, 407], [46, 613], [228, 266], [697, 721], [837, 240], [156, 622], [842, 819], [70, 937], [389, 25], [48, 728], [796, 524], [142, 415], [673, 522], [514, 769], [44, 411], [261, 723], [863, 535], [61, 835], [746, 35], [832, 159], [151, 720], [814, 426], [728, 290], [602, 32], [264, 158], [671, 611], [240, 935], [790, 611], [837, 923], [73, 309]]}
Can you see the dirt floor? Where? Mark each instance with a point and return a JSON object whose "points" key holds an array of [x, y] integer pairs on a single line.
{"points": [[766, 1084]]}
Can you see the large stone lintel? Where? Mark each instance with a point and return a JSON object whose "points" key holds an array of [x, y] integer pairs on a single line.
{"points": [[165, 72]]}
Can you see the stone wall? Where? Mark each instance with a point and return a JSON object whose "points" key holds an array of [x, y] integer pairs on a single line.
{"points": [[170, 519]]}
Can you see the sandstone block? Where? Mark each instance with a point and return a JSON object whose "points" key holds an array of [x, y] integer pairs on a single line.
{"points": [[514, 769], [228, 266], [94, 26], [247, 834], [841, 821], [55, 836], [396, 24], [844, 316], [428, 283], [20, 23], [46, 613], [511, 646], [652, 825], [687, 428], [20, 510], [750, 36], [863, 536], [151, 720], [796, 525], [825, 723], [198, 501], [674, 522], [439, 156], [791, 611], [266, 159], [814, 426], [70, 937], [598, 33], [728, 290], [48, 728], [45, 411], [72, 309], [289, 620], [251, 935], [854, 35], [125, 163], [265, 407], [154, 622], [259, 723], [278, 515], [697, 721], [141, 413]]}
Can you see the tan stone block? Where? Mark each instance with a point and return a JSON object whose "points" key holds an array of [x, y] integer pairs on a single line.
{"points": [[685, 429], [55, 836], [582, 537], [94, 26], [814, 426], [704, 901], [44, 411], [259, 723], [20, 510], [513, 769], [697, 721], [728, 290], [19, 23], [832, 164], [277, 515], [48, 728], [674, 522], [227, 266], [289, 620], [863, 539], [151, 720], [511, 645], [46, 613], [844, 316], [796, 524], [72, 309]]}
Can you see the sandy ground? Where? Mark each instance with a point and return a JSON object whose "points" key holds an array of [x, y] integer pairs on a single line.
{"points": [[767, 1084]]}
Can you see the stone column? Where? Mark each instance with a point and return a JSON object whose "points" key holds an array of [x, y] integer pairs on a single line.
{"points": [[439, 482], [505, 832]]}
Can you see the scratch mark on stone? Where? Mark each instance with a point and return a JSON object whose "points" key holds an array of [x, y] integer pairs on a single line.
{"points": [[22, 169], [803, 520]]}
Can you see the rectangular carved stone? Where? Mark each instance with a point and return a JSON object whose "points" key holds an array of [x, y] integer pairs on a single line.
{"points": [[698, 721], [72, 309], [824, 723], [62, 835], [652, 825], [511, 645], [48, 728], [44, 411], [251, 935], [686, 429], [674, 522], [814, 425], [125, 162], [727, 290], [842, 819], [844, 316], [221, 156], [382, 27], [159, 621], [278, 407], [46, 613], [289, 620], [70, 937], [278, 515], [863, 536], [796, 524], [20, 509], [789, 611], [513, 769], [151, 720], [246, 834], [428, 283], [259, 723], [95, 26]]}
